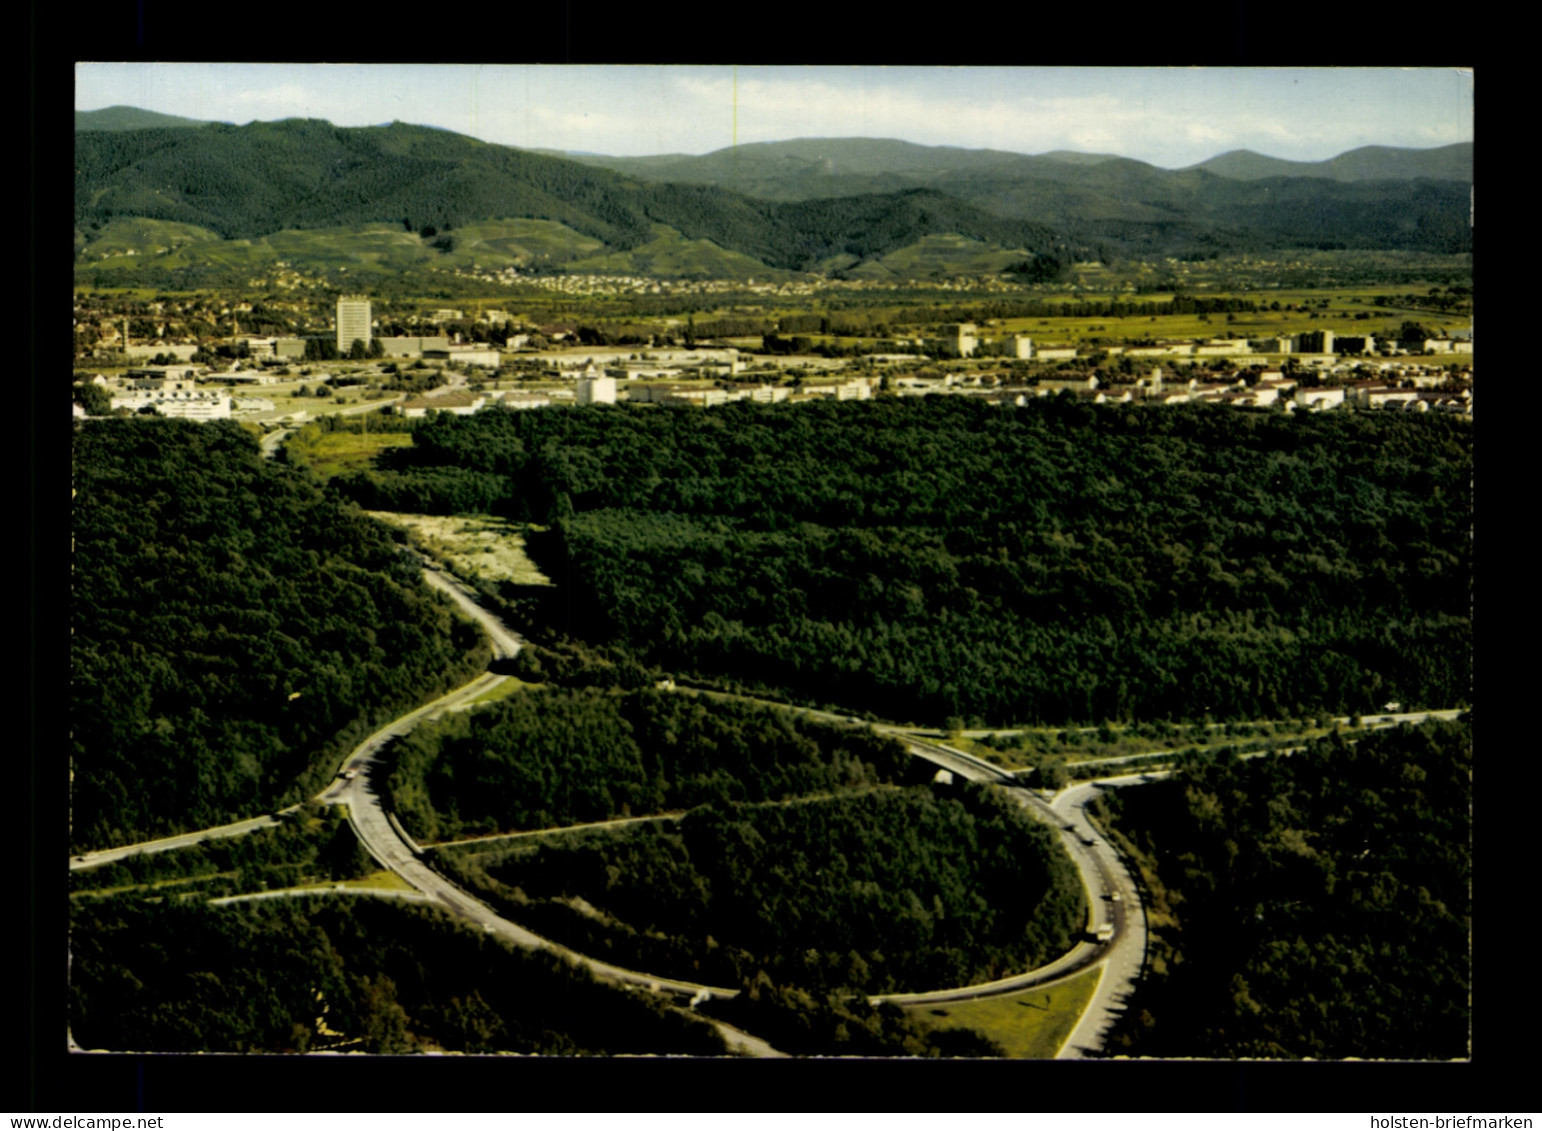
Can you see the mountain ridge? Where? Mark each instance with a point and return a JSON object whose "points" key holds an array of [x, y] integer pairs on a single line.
{"points": [[1444, 162], [796, 206]]}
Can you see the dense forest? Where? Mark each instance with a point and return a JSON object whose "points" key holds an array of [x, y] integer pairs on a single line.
{"points": [[878, 890], [811, 852], [1315, 905], [360, 974], [935, 558], [233, 629]]}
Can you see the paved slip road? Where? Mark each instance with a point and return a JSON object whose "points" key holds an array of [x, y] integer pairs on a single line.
{"points": [[1125, 956], [1103, 873], [165, 844], [389, 844]]}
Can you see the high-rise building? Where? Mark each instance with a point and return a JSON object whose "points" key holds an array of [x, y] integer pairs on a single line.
{"points": [[352, 323]]}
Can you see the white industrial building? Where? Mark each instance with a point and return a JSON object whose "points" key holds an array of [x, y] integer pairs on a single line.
{"points": [[596, 390], [192, 404]]}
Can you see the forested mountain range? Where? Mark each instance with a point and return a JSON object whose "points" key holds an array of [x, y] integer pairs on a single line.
{"points": [[1113, 200], [791, 205], [249, 181], [795, 170]]}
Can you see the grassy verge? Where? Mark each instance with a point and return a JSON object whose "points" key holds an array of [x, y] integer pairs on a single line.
{"points": [[375, 881], [509, 686], [1031, 1025]]}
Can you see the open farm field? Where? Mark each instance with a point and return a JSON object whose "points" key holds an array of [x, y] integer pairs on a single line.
{"points": [[126, 237], [939, 256], [289, 400], [491, 244], [1031, 1025]]}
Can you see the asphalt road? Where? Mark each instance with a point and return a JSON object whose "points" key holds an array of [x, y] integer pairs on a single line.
{"points": [[389, 844], [506, 644], [185, 840], [1098, 878], [359, 786], [1107, 876]]}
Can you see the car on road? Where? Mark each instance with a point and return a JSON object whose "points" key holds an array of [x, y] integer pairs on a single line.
{"points": [[348, 775]]}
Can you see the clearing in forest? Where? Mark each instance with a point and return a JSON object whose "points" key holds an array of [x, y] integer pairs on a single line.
{"points": [[475, 546]]}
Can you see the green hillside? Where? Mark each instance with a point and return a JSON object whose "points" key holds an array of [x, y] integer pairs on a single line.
{"points": [[796, 206], [251, 181]]}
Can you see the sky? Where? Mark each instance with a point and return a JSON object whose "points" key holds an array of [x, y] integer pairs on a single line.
{"points": [[1168, 116]]}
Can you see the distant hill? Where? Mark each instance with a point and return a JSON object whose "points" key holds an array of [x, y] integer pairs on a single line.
{"points": [[1115, 204], [808, 167], [130, 118], [1370, 163]]}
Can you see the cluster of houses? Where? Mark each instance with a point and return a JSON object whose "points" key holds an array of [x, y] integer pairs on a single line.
{"points": [[1275, 388], [1314, 348], [1272, 388]]}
